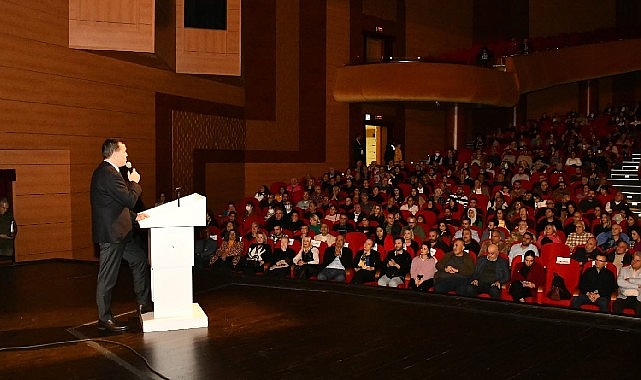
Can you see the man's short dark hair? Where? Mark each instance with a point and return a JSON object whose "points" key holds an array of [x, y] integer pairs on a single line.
{"points": [[529, 233], [109, 147]]}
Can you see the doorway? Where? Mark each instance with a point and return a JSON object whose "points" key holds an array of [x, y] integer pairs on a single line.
{"points": [[377, 47], [375, 140]]}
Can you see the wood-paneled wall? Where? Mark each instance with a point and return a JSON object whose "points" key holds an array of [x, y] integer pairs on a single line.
{"points": [[425, 131], [53, 98], [112, 24], [552, 17], [203, 51], [41, 202], [429, 26]]}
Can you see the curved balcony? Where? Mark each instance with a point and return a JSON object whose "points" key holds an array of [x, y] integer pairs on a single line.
{"points": [[417, 81]]}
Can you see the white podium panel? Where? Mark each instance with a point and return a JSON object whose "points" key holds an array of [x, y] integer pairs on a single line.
{"points": [[192, 212], [171, 291], [171, 248]]}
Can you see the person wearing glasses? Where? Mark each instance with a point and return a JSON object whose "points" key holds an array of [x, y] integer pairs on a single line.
{"points": [[490, 274], [597, 284], [416, 229]]}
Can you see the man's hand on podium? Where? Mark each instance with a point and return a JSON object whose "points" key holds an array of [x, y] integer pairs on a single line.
{"points": [[141, 216]]}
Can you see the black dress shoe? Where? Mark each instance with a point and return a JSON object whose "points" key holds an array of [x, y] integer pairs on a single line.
{"points": [[112, 326], [142, 309]]}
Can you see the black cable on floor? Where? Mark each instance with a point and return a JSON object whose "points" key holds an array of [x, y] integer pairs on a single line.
{"points": [[59, 343]]}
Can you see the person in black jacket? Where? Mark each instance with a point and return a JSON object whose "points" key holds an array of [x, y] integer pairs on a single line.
{"points": [[396, 265], [336, 261], [112, 199], [490, 273], [366, 262], [597, 284]]}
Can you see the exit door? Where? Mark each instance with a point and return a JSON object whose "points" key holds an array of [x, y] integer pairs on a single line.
{"points": [[375, 140]]}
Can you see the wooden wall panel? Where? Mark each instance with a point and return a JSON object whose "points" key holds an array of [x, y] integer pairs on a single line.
{"points": [[42, 57], [41, 203], [43, 241], [22, 85], [429, 28], [56, 98], [30, 20], [552, 17], [56, 119], [232, 175], [259, 60], [202, 51], [384, 9], [112, 25], [559, 99], [286, 86], [424, 132], [337, 119]]}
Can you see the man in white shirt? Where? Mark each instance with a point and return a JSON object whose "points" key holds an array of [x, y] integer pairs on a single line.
{"points": [[522, 247], [629, 281], [324, 236]]}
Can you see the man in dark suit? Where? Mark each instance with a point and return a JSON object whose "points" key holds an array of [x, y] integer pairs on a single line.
{"points": [[112, 198], [336, 261]]}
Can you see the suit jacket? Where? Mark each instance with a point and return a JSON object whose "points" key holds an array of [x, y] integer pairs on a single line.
{"points": [[112, 199], [346, 256], [502, 269]]}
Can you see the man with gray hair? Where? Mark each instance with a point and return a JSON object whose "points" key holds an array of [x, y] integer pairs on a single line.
{"points": [[629, 282]]}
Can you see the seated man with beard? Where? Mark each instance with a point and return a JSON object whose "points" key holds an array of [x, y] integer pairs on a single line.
{"points": [[490, 274]]}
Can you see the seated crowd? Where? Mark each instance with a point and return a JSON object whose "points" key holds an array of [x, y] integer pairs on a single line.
{"points": [[478, 222]]}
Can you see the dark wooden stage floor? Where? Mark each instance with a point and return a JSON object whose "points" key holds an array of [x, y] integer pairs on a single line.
{"points": [[265, 329]]}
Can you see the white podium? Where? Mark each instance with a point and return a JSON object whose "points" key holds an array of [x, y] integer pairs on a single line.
{"points": [[171, 245]]}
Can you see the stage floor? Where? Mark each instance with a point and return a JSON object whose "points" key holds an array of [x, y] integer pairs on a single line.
{"points": [[286, 329]]}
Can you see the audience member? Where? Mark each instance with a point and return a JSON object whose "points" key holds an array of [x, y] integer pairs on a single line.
{"points": [[283, 256], [454, 271], [336, 261], [396, 265], [230, 250], [423, 269], [366, 262], [490, 273], [519, 249], [529, 275], [325, 236], [597, 284], [629, 282], [306, 262], [579, 237], [586, 252]]}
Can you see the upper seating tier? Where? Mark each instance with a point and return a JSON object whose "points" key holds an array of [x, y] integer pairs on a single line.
{"points": [[416, 81]]}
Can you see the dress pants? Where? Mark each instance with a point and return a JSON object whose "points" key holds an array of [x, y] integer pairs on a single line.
{"points": [[448, 284], [111, 255], [629, 302], [602, 302]]}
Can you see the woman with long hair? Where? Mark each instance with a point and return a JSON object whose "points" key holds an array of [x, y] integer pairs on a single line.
{"points": [[423, 269], [230, 250]]}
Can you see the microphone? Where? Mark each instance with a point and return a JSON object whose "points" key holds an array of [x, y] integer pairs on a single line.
{"points": [[130, 168], [178, 195]]}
